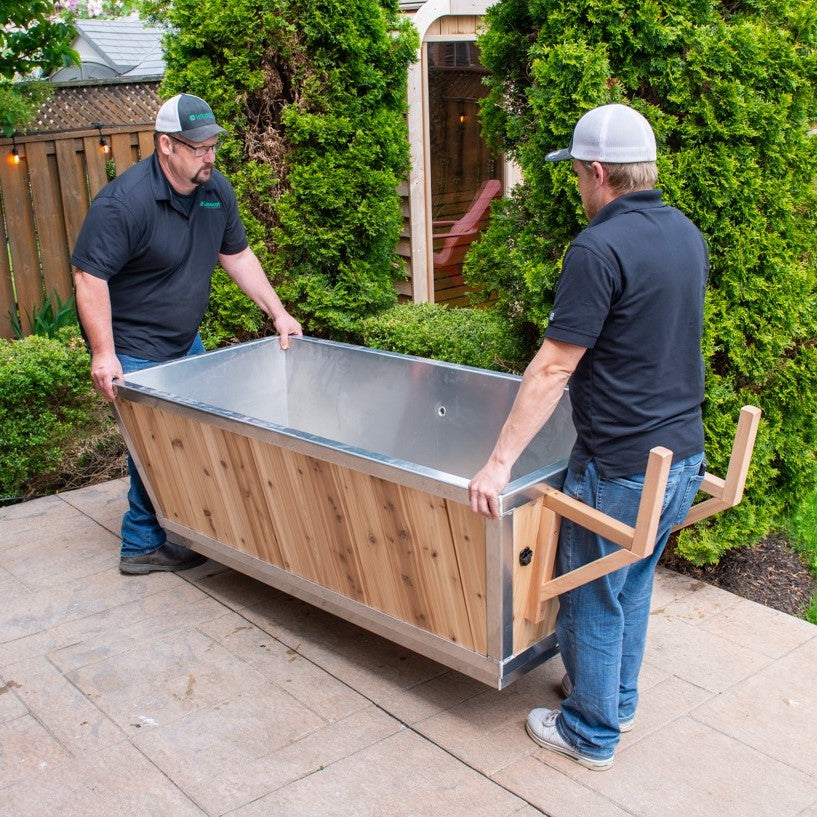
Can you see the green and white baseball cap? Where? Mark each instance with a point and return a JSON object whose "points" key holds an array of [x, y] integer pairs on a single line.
{"points": [[189, 116]]}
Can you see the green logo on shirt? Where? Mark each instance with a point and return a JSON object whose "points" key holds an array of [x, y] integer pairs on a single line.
{"points": [[211, 204]]}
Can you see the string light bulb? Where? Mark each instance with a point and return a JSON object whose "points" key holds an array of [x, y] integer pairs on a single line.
{"points": [[14, 156], [104, 147]]}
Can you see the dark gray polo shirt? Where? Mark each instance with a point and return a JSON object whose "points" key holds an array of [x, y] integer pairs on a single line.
{"points": [[157, 258], [632, 292]]}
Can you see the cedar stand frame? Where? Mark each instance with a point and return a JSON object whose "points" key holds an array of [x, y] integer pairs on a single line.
{"points": [[638, 542]]}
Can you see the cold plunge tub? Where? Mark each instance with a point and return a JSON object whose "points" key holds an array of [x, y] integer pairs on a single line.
{"points": [[339, 475]]}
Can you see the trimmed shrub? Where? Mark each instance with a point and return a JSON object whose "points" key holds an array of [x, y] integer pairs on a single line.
{"points": [[231, 316], [471, 337], [46, 402], [314, 94], [731, 91]]}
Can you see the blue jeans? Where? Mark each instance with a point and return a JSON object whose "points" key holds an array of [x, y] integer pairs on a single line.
{"points": [[602, 626], [141, 531]]}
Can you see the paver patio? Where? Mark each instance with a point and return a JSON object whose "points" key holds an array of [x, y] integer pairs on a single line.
{"points": [[209, 693]]}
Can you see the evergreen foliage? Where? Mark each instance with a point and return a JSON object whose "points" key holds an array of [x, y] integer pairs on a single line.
{"points": [[730, 89], [46, 400], [314, 94], [34, 38], [471, 337]]}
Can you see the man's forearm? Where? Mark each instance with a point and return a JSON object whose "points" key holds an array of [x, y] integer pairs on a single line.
{"points": [[540, 391], [245, 269], [538, 396], [94, 310]]}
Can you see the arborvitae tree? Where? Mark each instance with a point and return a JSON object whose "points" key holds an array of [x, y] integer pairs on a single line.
{"points": [[314, 95], [730, 89]]}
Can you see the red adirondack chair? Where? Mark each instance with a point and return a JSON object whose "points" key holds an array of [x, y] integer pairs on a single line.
{"points": [[465, 229]]}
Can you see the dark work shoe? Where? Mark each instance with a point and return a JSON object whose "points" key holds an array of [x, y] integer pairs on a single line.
{"points": [[167, 557]]}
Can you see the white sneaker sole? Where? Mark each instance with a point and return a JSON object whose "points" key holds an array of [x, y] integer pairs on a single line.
{"points": [[587, 762]]}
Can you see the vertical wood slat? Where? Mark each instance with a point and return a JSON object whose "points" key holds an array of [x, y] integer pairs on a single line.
{"points": [[72, 187], [536, 527], [50, 222], [22, 240], [95, 163], [7, 305], [197, 482], [468, 531], [379, 545], [338, 526], [122, 152], [145, 143], [438, 569], [281, 488], [143, 428]]}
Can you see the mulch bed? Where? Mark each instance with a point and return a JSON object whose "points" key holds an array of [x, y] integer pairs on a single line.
{"points": [[770, 573]]}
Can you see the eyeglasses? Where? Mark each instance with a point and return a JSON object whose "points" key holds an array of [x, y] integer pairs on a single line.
{"points": [[201, 150]]}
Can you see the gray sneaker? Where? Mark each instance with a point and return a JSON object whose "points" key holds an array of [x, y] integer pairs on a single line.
{"points": [[541, 726], [566, 688], [167, 557]]}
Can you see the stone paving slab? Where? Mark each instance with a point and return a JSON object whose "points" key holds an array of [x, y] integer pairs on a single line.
{"points": [[119, 781], [209, 693], [769, 710], [401, 776], [238, 784], [693, 769]]}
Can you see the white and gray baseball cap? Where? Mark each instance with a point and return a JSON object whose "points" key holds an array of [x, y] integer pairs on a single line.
{"points": [[610, 133], [189, 116]]}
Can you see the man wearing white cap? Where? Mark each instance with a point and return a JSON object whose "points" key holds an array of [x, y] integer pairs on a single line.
{"points": [[143, 263], [626, 331]]}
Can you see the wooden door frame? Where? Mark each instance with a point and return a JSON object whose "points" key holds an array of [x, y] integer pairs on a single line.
{"points": [[419, 188]]}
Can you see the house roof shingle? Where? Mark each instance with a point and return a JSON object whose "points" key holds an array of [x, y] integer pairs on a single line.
{"points": [[123, 43], [109, 48]]}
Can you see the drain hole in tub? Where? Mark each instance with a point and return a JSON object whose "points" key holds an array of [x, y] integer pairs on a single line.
{"points": [[442, 411]]}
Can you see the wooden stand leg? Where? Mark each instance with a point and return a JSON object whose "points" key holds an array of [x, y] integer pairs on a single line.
{"points": [[637, 542]]}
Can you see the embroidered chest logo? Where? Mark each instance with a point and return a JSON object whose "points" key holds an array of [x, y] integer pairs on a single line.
{"points": [[211, 204]]}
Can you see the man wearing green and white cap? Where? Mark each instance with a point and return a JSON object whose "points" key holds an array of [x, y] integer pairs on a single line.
{"points": [[625, 330], [143, 263]]}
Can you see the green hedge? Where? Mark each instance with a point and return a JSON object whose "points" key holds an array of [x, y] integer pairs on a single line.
{"points": [[231, 316], [731, 91], [471, 337], [46, 400]]}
